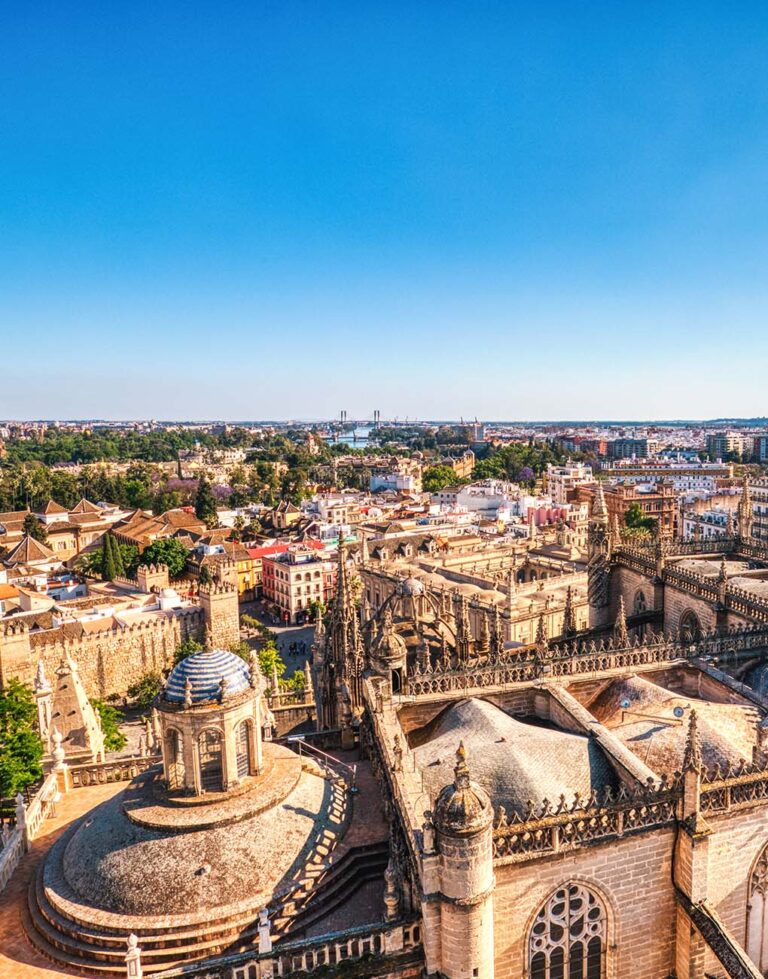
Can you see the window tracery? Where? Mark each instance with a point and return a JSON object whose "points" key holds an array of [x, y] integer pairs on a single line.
{"points": [[568, 937]]}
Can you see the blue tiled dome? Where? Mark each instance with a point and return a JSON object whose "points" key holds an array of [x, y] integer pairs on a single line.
{"points": [[205, 672]]}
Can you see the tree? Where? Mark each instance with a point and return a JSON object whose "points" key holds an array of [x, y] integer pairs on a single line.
{"points": [[35, 528], [144, 691], [168, 551], [436, 478], [205, 504], [188, 647], [635, 518], [269, 658], [122, 561], [205, 577], [21, 749], [114, 739], [108, 564]]}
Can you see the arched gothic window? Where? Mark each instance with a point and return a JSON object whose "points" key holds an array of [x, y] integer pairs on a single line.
{"points": [[568, 937], [174, 754], [243, 749], [690, 627], [757, 913]]}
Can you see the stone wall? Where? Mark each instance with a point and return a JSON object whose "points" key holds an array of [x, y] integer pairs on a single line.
{"points": [[734, 847], [677, 603], [109, 662], [627, 583], [632, 876]]}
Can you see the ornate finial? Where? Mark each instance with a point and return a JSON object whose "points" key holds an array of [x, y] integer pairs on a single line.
{"points": [[620, 632], [41, 681], [692, 757], [723, 574], [57, 753], [188, 693], [569, 615], [208, 639], [541, 633], [461, 771], [616, 529]]}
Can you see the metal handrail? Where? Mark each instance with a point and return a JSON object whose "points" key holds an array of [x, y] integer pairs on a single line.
{"points": [[328, 760]]}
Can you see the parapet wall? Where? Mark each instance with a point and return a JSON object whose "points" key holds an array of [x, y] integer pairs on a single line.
{"points": [[110, 661]]}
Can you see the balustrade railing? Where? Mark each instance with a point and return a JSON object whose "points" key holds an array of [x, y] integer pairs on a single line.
{"points": [[325, 952], [119, 770], [578, 658], [29, 819]]}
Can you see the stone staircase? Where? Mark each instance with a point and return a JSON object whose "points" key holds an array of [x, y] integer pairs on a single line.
{"points": [[319, 896]]}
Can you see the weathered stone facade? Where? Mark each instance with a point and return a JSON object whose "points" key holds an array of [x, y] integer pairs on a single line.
{"points": [[113, 658]]}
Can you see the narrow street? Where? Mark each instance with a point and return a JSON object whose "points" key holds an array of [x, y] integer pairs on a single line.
{"points": [[287, 635]]}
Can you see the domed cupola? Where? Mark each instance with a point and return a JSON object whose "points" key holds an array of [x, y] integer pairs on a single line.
{"points": [[463, 807], [211, 717], [411, 586], [388, 649], [207, 677]]}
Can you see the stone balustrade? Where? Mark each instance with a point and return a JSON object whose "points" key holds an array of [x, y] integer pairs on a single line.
{"points": [[29, 820], [551, 828], [117, 770], [325, 953], [579, 658]]}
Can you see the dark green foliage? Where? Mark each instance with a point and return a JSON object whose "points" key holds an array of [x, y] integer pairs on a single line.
{"points": [[186, 648], [146, 689], [511, 461], [110, 560], [21, 749], [205, 504], [110, 717], [438, 477], [168, 551], [35, 528], [635, 518]]}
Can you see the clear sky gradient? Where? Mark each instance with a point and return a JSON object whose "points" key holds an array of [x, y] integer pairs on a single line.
{"points": [[510, 210]]}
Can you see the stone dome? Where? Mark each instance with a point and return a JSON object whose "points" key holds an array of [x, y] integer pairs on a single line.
{"points": [[205, 672], [513, 760], [463, 807], [411, 586], [388, 645]]}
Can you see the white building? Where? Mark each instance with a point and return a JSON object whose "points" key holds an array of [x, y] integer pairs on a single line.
{"points": [[564, 479]]}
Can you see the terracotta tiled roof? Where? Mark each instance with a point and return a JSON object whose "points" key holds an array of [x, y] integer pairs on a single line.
{"points": [[85, 506], [27, 550], [53, 507]]}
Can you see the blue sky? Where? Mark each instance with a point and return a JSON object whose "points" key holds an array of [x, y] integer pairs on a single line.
{"points": [[436, 209]]}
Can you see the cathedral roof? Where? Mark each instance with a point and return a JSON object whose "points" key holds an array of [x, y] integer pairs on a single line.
{"points": [[514, 761], [652, 722], [205, 672]]}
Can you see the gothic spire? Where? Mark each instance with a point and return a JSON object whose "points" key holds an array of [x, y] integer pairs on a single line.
{"points": [[692, 761], [620, 632], [599, 507], [569, 615]]}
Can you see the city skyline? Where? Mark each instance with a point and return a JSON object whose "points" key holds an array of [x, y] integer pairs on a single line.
{"points": [[440, 211]]}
